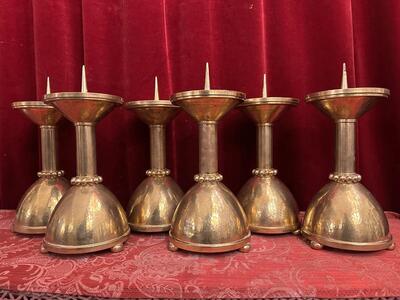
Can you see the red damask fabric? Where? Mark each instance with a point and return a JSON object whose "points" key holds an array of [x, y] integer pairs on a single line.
{"points": [[276, 267]]}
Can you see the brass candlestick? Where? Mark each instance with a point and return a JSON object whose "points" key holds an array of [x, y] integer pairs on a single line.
{"points": [[269, 205], [209, 218], [344, 214], [38, 202], [153, 203], [89, 217]]}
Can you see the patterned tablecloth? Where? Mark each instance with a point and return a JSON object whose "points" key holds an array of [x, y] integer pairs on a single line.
{"points": [[277, 266]]}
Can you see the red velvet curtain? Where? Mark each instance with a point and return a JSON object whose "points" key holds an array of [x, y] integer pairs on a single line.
{"points": [[124, 44]]}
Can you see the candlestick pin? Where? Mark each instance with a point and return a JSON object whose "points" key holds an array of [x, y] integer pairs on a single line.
{"points": [[89, 217], [39, 201], [209, 218], [269, 205], [344, 214], [153, 203]]}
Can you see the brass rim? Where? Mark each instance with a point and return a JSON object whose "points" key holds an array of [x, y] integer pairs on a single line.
{"points": [[30, 104], [150, 228], [49, 98], [273, 230], [270, 101], [210, 248], [63, 249], [149, 104], [345, 245], [18, 228], [351, 92], [207, 93]]}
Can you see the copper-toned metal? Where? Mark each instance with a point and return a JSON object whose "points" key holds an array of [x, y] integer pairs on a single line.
{"points": [[269, 205], [154, 201], [209, 218], [38, 202], [344, 214], [89, 217]]}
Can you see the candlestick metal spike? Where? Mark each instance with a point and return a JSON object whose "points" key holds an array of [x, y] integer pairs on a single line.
{"points": [[39, 201], [84, 84], [344, 84], [48, 90], [207, 78], [88, 218], [156, 95], [154, 201], [264, 90], [209, 218], [344, 214], [269, 205]]}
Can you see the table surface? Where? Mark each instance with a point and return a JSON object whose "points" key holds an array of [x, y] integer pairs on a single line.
{"points": [[277, 266]]}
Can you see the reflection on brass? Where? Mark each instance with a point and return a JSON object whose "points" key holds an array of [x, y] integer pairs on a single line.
{"points": [[38, 202], [154, 201], [209, 218], [269, 205], [89, 217], [344, 214]]}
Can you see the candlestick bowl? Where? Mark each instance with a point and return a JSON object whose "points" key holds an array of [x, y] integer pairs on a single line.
{"points": [[38, 202]]}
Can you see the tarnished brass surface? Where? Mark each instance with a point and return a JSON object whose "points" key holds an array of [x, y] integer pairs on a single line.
{"points": [[154, 201], [207, 105], [88, 218], [350, 103], [344, 214], [39, 201], [153, 204], [37, 204], [269, 205], [83, 107], [209, 218], [347, 216]]}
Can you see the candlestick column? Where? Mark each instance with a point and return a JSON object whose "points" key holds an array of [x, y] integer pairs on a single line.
{"points": [[157, 147], [48, 147], [264, 145]]}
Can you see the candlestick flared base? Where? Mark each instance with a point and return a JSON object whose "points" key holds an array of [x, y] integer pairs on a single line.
{"points": [[88, 218], [209, 219], [153, 204], [269, 206], [346, 216], [37, 205]]}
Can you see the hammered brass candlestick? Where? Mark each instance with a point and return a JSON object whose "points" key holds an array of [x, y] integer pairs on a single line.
{"points": [[344, 214], [38, 202], [269, 205], [154, 201], [88, 218], [209, 218]]}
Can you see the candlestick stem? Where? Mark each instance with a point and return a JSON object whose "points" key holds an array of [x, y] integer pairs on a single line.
{"points": [[86, 149], [208, 147], [345, 146], [157, 147], [264, 145], [48, 147]]}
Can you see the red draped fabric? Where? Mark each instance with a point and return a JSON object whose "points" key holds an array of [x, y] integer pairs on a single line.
{"points": [[124, 44]]}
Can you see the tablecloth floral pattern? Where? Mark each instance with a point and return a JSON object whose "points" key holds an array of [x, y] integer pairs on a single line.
{"points": [[277, 266]]}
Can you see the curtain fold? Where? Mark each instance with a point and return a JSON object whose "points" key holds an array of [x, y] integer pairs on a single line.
{"points": [[300, 45]]}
